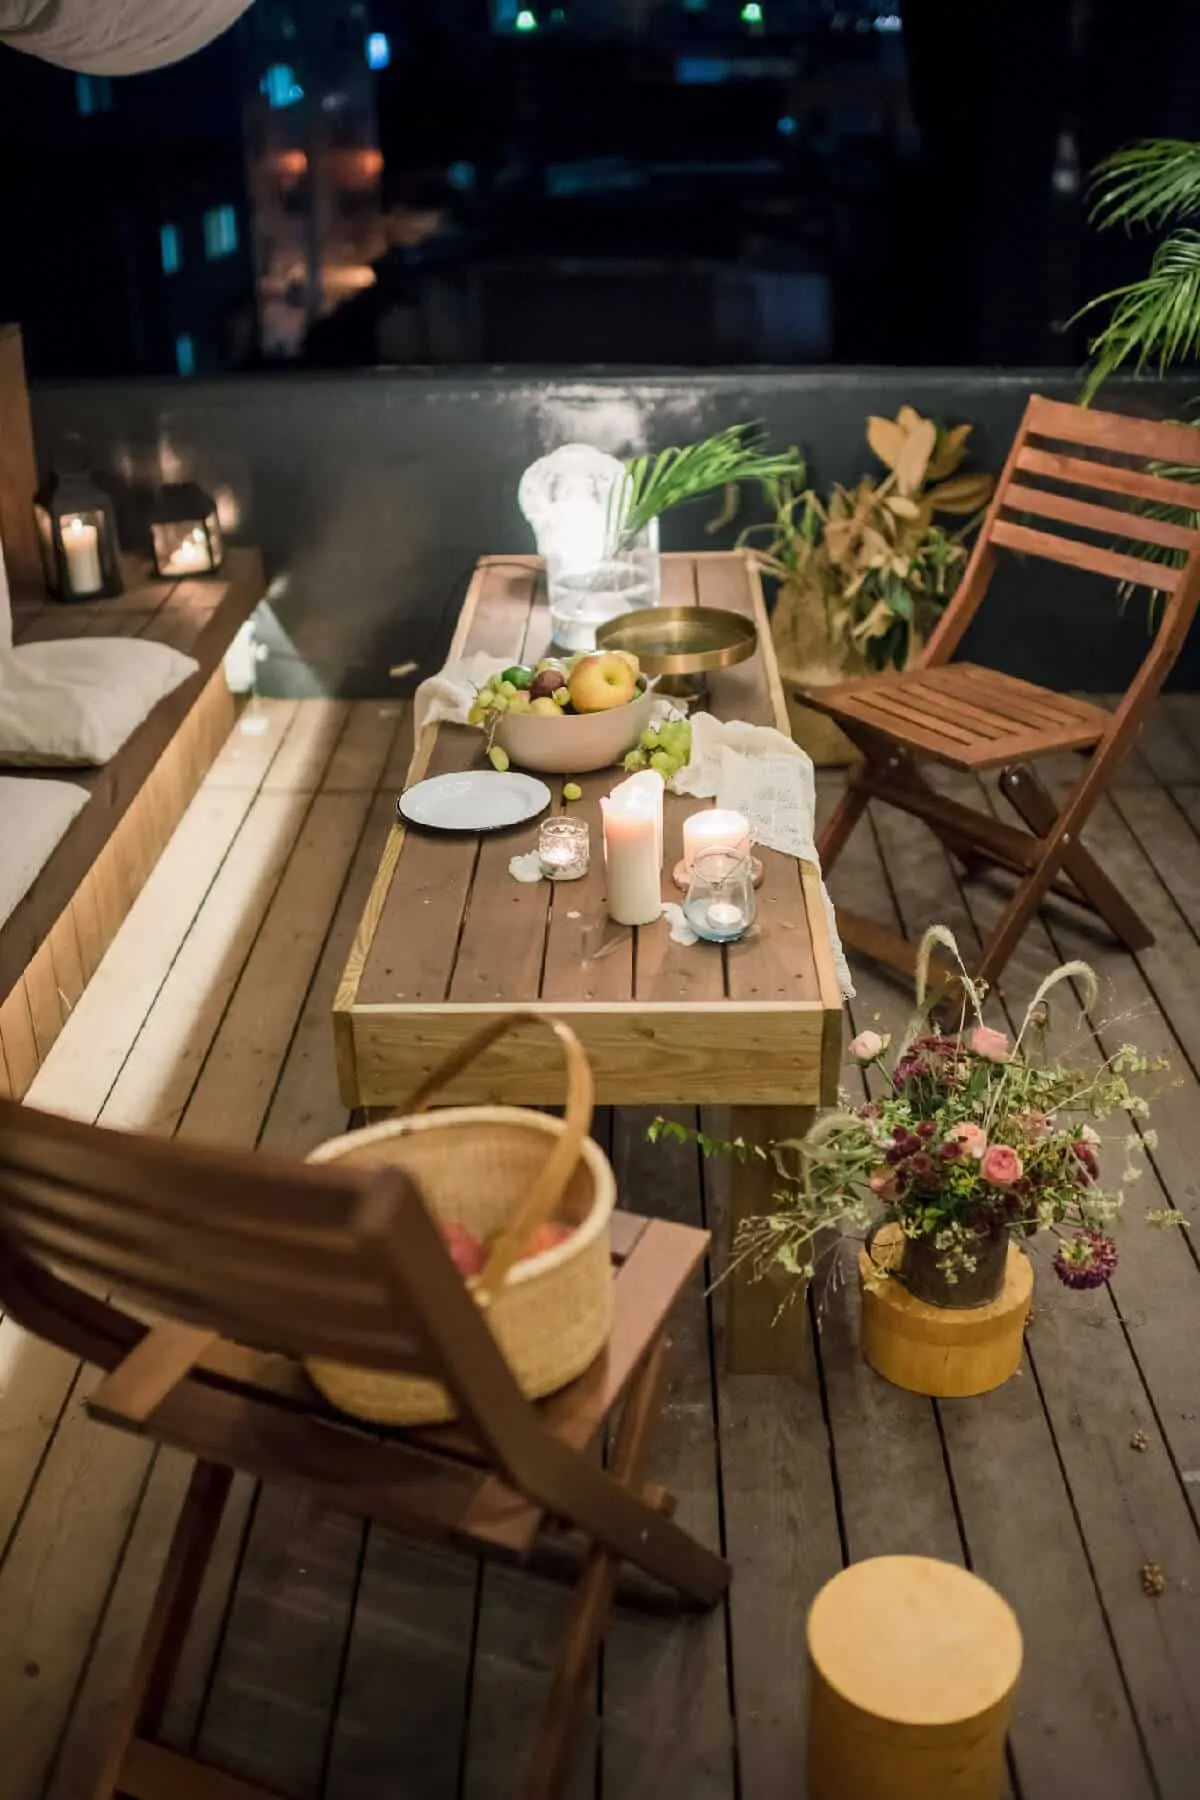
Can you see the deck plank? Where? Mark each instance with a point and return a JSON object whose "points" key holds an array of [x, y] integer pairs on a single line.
{"points": [[666, 1725]]}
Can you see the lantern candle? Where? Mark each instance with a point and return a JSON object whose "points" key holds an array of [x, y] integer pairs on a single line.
{"points": [[632, 816], [714, 829], [81, 547]]}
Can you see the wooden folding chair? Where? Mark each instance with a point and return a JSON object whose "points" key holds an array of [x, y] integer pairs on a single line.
{"points": [[253, 1263], [977, 719]]}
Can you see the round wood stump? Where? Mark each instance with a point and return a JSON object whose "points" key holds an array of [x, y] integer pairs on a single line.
{"points": [[936, 1349], [913, 1665]]}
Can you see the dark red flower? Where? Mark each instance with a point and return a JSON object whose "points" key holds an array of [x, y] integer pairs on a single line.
{"points": [[1087, 1260]]}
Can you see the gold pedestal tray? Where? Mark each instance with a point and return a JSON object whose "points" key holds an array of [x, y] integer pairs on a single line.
{"points": [[681, 644]]}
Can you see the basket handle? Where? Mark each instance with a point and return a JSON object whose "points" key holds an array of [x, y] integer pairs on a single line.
{"points": [[547, 1190]]}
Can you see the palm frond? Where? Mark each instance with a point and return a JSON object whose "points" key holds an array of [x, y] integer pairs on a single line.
{"points": [[653, 484], [1152, 321], [1153, 182]]}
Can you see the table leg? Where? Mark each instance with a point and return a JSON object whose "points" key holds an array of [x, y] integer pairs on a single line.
{"points": [[757, 1341]]}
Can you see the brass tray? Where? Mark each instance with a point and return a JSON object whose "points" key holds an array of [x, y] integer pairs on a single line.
{"points": [[681, 640]]}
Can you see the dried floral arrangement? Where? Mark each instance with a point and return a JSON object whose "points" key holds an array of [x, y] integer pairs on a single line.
{"points": [[966, 1134]]}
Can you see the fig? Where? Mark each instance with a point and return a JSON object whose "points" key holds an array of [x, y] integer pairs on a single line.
{"points": [[545, 683]]}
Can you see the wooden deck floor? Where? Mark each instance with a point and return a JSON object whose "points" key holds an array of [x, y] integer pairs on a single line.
{"points": [[337, 1662]]}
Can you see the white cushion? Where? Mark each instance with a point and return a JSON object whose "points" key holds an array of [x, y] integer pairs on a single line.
{"points": [[33, 816], [76, 700]]}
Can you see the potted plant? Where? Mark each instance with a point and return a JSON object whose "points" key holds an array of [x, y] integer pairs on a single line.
{"points": [[967, 1141], [864, 574]]}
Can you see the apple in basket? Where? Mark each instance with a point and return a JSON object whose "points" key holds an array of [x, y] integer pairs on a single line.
{"points": [[547, 1237], [466, 1252]]}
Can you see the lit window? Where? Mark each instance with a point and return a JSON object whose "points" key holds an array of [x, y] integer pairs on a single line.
{"points": [[379, 51], [93, 94], [220, 232], [525, 20], [185, 353], [280, 86], [170, 248]]}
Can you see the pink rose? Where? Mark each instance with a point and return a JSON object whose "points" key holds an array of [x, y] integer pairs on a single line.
{"points": [[884, 1185], [1001, 1166], [867, 1046], [972, 1137], [1090, 1135], [993, 1046]]}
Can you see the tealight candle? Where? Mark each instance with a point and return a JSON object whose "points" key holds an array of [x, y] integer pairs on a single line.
{"points": [[714, 829], [563, 848], [632, 816]]}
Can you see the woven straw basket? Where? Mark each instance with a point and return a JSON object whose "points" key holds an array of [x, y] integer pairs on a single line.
{"points": [[501, 1171]]}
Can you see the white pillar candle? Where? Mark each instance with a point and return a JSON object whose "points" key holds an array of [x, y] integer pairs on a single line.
{"points": [[81, 546], [632, 817], [715, 829]]}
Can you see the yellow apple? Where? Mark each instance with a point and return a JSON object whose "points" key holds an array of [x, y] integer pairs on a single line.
{"points": [[545, 707], [631, 659], [600, 682]]}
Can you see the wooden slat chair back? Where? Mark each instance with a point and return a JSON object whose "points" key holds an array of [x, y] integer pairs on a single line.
{"points": [[250, 1263], [1079, 488]]}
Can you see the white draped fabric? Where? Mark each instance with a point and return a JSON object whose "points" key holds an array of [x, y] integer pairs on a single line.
{"points": [[115, 37]]}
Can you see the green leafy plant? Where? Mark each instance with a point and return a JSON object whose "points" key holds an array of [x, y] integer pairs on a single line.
{"points": [[867, 571], [965, 1132], [1154, 321], [655, 484]]}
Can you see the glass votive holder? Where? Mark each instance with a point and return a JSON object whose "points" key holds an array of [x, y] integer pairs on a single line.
{"points": [[563, 848], [720, 903]]}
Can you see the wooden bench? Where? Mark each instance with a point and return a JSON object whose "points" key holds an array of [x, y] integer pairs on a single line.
{"points": [[55, 936]]}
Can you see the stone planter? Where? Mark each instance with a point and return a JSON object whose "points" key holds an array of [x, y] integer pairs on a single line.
{"points": [[923, 1278]]}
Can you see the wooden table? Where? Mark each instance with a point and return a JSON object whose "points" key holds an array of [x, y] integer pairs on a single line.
{"points": [[448, 941]]}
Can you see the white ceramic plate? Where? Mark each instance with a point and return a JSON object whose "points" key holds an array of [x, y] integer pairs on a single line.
{"points": [[480, 800]]}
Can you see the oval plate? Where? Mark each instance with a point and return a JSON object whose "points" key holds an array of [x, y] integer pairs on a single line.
{"points": [[478, 800]]}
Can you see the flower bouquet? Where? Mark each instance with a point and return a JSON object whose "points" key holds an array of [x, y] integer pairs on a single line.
{"points": [[966, 1141]]}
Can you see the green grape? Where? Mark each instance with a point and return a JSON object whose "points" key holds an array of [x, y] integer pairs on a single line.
{"points": [[649, 738], [663, 763]]}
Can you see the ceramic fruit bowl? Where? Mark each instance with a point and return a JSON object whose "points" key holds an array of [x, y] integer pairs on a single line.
{"points": [[573, 743]]}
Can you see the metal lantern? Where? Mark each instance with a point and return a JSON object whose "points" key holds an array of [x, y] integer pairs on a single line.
{"points": [[77, 535], [185, 532]]}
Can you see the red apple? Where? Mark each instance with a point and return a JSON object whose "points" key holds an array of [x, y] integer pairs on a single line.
{"points": [[466, 1251], [600, 682], [547, 1237]]}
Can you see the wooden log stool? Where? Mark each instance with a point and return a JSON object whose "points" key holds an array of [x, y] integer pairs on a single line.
{"points": [[941, 1350], [913, 1665]]}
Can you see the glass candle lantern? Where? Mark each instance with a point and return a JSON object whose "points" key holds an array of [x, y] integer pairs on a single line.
{"points": [[564, 848], [77, 536], [720, 902], [185, 532]]}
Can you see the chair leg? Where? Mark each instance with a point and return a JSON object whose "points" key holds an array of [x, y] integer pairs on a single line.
{"points": [[1025, 793], [170, 1614], [833, 836], [591, 1600]]}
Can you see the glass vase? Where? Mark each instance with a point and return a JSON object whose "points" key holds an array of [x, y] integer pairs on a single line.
{"points": [[583, 596]]}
